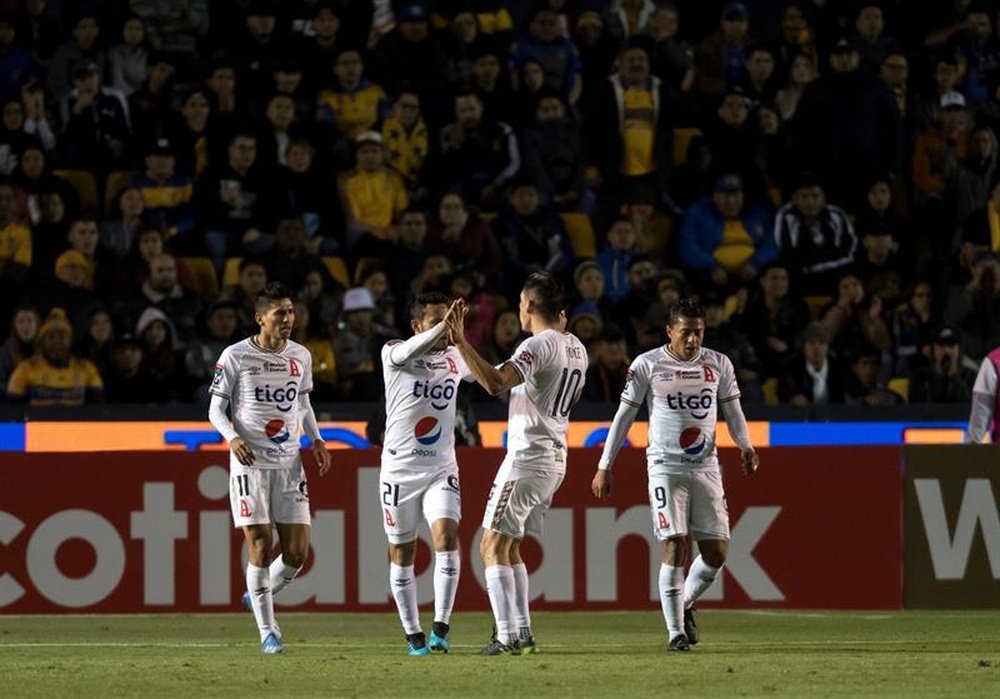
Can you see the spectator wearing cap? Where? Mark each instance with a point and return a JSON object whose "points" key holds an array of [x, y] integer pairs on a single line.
{"points": [[53, 376], [945, 379], [532, 236], [353, 105], [203, 351], [847, 126], [974, 308], [724, 240], [129, 380], [479, 154], [82, 49], [556, 54], [949, 139], [815, 239], [97, 127], [407, 143], [357, 346], [127, 59], [167, 196], [409, 56], [552, 156], [629, 131], [671, 58], [235, 203], [164, 291], [773, 318], [812, 377], [17, 65], [373, 196], [608, 370], [720, 58]]}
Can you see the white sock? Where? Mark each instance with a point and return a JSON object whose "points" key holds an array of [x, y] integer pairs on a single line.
{"points": [[699, 579], [500, 586], [404, 591], [281, 575], [447, 567], [259, 586], [671, 584], [522, 616]]}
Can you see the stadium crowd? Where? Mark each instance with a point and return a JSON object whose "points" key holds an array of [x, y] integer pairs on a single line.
{"points": [[822, 174]]}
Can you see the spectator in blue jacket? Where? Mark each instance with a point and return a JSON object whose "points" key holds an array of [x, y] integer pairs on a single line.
{"points": [[725, 241], [616, 257]]}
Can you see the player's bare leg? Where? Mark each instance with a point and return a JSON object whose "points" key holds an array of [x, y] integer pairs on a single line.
{"points": [[672, 589], [522, 614], [447, 568], [403, 584], [259, 545], [494, 548], [705, 569]]}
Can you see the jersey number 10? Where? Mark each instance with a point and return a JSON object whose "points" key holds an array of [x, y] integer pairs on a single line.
{"points": [[569, 386]]}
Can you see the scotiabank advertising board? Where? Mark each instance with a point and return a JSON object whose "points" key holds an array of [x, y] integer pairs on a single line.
{"points": [[148, 532]]}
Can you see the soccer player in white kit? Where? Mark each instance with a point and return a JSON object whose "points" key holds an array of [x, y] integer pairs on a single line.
{"points": [[545, 378], [265, 381], [419, 474], [683, 384]]}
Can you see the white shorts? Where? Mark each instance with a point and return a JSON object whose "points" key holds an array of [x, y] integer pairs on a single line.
{"points": [[691, 503], [268, 495], [438, 497], [519, 500]]}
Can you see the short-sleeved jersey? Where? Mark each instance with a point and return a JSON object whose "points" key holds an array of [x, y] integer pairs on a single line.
{"points": [[263, 389], [41, 384], [553, 365], [683, 399], [420, 397]]}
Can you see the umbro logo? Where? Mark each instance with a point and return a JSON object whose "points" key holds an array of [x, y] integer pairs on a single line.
{"points": [[449, 571]]}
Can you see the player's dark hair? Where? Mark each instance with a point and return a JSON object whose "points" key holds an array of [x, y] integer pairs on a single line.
{"points": [[272, 293], [685, 308], [547, 295], [427, 298]]}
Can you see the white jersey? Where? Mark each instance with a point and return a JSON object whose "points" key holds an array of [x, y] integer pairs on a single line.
{"points": [[553, 365], [263, 389], [420, 397], [683, 399]]}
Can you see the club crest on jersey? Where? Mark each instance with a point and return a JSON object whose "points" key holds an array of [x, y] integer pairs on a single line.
{"points": [[427, 431], [276, 431], [452, 367], [709, 374], [293, 368], [692, 441]]}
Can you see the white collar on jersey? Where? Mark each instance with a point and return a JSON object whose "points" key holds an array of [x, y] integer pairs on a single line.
{"points": [[256, 345], [673, 355]]}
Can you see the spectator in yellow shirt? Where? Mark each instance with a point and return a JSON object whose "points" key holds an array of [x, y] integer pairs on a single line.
{"points": [[54, 377], [373, 196]]}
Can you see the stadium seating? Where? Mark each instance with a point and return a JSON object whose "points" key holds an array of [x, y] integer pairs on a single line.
{"points": [[901, 385], [581, 235], [85, 185], [682, 139], [816, 304], [231, 272], [113, 186], [770, 389], [203, 277]]}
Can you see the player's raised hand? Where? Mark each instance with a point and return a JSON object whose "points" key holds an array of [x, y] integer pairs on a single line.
{"points": [[244, 454], [601, 485], [319, 451], [750, 461], [455, 319]]}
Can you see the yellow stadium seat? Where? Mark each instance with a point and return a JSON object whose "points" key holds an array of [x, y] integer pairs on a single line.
{"points": [[581, 235], [901, 385], [770, 389], [360, 267], [337, 269], [116, 182], [682, 139], [231, 272], [203, 278], [816, 304], [86, 188]]}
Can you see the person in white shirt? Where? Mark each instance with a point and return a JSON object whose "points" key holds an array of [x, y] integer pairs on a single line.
{"points": [[419, 472], [683, 385], [545, 377], [265, 381]]}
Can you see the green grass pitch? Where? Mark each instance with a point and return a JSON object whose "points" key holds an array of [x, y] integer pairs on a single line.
{"points": [[901, 654]]}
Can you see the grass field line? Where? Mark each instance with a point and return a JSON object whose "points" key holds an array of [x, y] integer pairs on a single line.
{"points": [[562, 646]]}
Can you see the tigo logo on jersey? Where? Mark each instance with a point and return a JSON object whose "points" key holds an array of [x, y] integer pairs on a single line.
{"points": [[427, 430], [440, 395], [692, 441], [276, 431]]}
